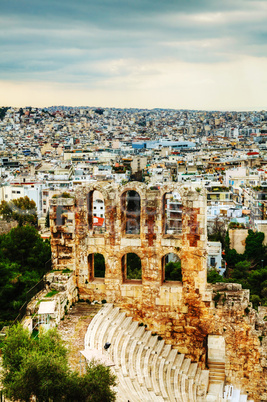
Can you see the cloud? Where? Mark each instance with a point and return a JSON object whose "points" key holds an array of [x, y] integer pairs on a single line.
{"points": [[228, 86], [94, 44]]}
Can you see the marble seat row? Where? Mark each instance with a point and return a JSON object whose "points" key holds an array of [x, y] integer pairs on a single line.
{"points": [[147, 368]]}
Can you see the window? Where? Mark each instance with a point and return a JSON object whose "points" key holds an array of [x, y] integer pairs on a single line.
{"points": [[96, 266], [172, 214], [131, 207], [131, 267], [212, 261], [171, 268], [93, 211]]}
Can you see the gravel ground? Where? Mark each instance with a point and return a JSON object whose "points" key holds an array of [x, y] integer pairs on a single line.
{"points": [[74, 327]]}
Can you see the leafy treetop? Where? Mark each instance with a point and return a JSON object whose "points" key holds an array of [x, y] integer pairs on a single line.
{"points": [[23, 210], [39, 368]]}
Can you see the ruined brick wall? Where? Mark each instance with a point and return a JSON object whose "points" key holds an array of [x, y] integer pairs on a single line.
{"points": [[238, 239], [184, 313]]}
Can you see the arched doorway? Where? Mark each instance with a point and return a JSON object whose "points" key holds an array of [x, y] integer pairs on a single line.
{"points": [[172, 214], [130, 209], [131, 267], [171, 268], [96, 266], [96, 211]]}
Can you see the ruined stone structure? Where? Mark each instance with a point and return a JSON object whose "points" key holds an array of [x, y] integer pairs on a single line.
{"points": [[152, 223]]}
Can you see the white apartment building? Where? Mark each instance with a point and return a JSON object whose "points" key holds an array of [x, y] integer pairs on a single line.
{"points": [[31, 190]]}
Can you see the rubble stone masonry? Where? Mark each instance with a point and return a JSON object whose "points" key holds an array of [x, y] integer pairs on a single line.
{"points": [[183, 313]]}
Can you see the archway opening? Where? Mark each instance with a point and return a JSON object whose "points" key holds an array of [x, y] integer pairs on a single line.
{"points": [[96, 266], [99, 265], [96, 211], [131, 207], [131, 267], [171, 268], [172, 213]]}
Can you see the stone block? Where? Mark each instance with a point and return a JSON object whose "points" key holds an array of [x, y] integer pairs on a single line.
{"points": [[135, 242], [166, 242], [182, 350], [99, 241]]}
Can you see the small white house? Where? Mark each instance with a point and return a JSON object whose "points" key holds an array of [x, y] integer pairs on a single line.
{"points": [[215, 256]]}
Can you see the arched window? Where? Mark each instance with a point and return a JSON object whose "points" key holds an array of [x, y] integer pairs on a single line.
{"points": [[96, 211], [130, 207], [60, 218], [131, 267], [172, 214], [171, 268], [96, 266]]}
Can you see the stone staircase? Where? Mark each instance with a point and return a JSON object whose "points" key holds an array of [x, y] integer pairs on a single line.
{"points": [[216, 379], [147, 368], [217, 371]]}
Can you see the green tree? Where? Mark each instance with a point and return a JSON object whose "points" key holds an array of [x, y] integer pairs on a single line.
{"points": [[217, 231], [23, 210], [241, 270], [99, 265], [39, 368], [213, 276], [10, 277], [25, 246], [3, 111], [23, 257], [255, 251], [173, 271], [257, 280], [87, 388], [134, 269], [47, 220]]}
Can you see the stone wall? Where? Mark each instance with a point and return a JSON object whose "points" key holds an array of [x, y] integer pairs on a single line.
{"points": [[238, 239], [184, 313]]}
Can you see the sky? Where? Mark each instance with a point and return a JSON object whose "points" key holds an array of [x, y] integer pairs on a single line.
{"points": [[179, 54]]}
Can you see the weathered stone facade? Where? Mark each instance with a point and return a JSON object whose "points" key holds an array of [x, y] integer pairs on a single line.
{"points": [[184, 313]]}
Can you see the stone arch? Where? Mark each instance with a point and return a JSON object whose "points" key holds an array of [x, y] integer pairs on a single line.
{"points": [[131, 265], [130, 212], [171, 267], [140, 188], [102, 187], [172, 213]]}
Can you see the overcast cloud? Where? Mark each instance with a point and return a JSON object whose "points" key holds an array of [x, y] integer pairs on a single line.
{"points": [[179, 54]]}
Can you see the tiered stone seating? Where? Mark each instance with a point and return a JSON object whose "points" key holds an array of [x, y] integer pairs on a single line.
{"points": [[104, 325], [147, 369]]}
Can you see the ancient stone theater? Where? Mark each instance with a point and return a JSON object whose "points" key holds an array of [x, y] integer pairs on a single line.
{"points": [[152, 226]]}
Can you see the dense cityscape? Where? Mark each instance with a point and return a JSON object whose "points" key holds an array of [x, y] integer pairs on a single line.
{"points": [[47, 151]]}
